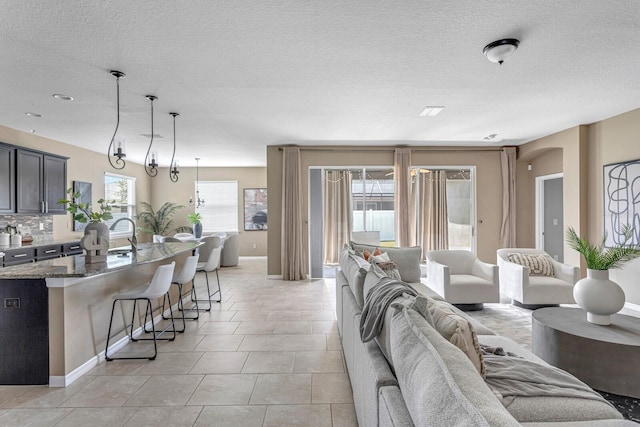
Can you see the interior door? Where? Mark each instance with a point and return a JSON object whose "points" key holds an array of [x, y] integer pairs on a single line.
{"points": [[553, 224]]}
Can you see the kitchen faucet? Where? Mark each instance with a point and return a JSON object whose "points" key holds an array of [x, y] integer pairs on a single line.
{"points": [[133, 240]]}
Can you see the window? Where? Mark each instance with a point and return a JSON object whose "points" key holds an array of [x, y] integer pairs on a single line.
{"points": [[122, 190], [374, 190], [220, 212]]}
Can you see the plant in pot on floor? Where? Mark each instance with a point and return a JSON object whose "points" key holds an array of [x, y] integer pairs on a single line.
{"points": [[159, 222], [83, 213], [596, 294], [196, 220]]}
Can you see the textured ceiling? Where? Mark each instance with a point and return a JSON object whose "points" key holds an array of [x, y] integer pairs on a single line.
{"points": [[247, 74]]}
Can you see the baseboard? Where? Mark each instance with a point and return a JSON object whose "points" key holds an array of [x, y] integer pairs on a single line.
{"points": [[64, 381], [274, 276]]}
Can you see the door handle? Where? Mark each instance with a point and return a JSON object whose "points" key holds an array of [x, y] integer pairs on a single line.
{"points": [[19, 255]]}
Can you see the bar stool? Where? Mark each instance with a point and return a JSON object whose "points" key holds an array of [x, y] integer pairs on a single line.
{"points": [[211, 264], [158, 287], [186, 275]]}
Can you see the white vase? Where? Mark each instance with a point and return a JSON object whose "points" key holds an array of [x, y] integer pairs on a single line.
{"points": [[598, 296]]}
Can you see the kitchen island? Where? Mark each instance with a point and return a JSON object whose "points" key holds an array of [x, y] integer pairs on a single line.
{"points": [[55, 313]]}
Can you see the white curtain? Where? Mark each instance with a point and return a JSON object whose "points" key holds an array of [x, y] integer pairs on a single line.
{"points": [[435, 217], [404, 201], [337, 213], [294, 255], [508, 229]]}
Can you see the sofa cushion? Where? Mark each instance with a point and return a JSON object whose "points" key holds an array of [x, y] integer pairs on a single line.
{"points": [[455, 329], [539, 264], [407, 259], [355, 269], [440, 385]]}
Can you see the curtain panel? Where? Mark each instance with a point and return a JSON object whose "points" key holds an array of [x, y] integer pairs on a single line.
{"points": [[337, 215], [294, 255], [508, 229], [434, 221], [404, 200]]}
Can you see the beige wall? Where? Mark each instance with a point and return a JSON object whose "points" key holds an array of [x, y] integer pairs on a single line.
{"points": [[249, 177], [613, 140], [487, 163], [547, 162], [585, 150], [90, 166]]}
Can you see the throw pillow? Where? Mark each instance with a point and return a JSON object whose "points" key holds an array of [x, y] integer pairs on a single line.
{"points": [[388, 267], [457, 330], [539, 264], [407, 259]]}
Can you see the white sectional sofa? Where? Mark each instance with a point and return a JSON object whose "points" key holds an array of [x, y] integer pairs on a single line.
{"points": [[411, 376]]}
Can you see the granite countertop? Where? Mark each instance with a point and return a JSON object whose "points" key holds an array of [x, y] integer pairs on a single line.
{"points": [[74, 266]]}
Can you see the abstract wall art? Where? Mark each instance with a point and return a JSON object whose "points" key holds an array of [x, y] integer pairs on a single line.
{"points": [[621, 201]]}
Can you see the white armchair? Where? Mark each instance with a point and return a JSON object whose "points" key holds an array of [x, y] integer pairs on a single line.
{"points": [[517, 284], [461, 278]]}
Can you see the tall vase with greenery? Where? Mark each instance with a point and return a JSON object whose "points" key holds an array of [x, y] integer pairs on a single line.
{"points": [[196, 220], [596, 294], [159, 222], [83, 212]]}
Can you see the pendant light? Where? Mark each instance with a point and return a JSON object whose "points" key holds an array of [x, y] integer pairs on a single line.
{"points": [[199, 202], [151, 168], [173, 168], [119, 143]]}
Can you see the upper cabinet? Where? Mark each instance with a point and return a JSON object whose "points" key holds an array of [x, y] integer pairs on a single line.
{"points": [[31, 182], [7, 179]]}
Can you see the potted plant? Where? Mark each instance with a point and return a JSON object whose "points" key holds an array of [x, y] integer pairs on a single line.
{"points": [[83, 213], [195, 219], [596, 294], [159, 222]]}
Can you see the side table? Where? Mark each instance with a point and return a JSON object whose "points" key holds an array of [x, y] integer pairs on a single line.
{"points": [[606, 358]]}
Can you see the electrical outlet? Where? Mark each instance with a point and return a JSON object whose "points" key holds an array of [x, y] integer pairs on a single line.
{"points": [[12, 303], [255, 246], [42, 226]]}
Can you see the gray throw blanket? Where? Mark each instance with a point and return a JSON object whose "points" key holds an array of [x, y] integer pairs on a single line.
{"points": [[377, 302], [513, 376]]}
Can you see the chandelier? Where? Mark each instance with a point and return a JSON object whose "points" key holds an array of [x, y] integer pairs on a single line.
{"points": [[199, 202]]}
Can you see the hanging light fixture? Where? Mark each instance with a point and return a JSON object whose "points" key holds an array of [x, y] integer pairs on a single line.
{"points": [[173, 169], [199, 202], [119, 143], [151, 166]]}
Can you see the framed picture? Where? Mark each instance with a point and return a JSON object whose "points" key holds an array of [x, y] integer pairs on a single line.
{"points": [[84, 188], [621, 189], [255, 209]]}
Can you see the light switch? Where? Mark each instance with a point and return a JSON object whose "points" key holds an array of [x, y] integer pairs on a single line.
{"points": [[555, 221]]}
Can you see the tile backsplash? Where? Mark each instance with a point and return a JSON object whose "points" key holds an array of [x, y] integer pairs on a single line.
{"points": [[30, 224]]}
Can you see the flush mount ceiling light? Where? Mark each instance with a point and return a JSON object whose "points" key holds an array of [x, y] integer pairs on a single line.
{"points": [[30, 114], [499, 50], [151, 168], [431, 111], [119, 146], [173, 168], [62, 97]]}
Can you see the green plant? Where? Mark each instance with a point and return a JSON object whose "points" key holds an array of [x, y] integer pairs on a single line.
{"points": [[194, 218], [82, 212], [159, 222], [598, 257]]}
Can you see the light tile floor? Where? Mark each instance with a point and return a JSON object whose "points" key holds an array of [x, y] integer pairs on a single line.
{"points": [[268, 355]]}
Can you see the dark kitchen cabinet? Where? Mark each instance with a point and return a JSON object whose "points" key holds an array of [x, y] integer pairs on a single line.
{"points": [[41, 181], [7, 179]]}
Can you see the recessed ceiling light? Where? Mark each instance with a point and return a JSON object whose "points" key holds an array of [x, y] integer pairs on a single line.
{"points": [[430, 111], [62, 97], [30, 114]]}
